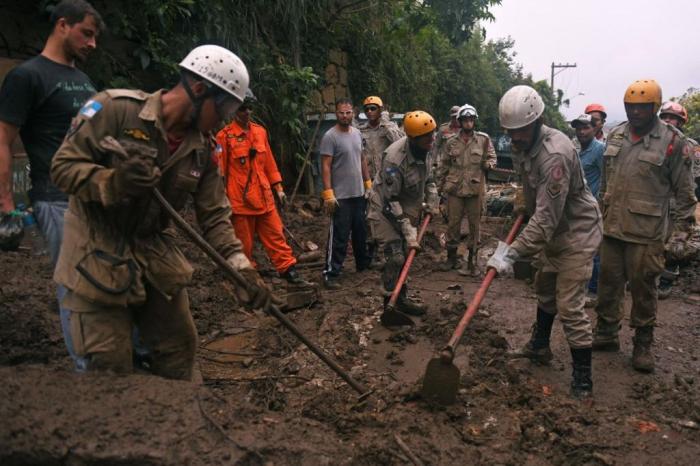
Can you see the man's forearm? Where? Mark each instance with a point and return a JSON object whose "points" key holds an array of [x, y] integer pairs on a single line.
{"points": [[326, 171], [6, 201], [365, 169]]}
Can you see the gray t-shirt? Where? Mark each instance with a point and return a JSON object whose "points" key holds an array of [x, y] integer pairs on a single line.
{"points": [[346, 168]]}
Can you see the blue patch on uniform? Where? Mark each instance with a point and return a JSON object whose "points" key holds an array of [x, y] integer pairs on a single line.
{"points": [[391, 171], [90, 108]]}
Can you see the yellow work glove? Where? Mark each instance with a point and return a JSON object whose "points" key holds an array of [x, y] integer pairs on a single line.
{"points": [[368, 188], [330, 203]]}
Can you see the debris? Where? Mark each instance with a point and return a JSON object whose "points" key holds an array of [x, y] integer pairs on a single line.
{"points": [[407, 451], [546, 390], [646, 426]]}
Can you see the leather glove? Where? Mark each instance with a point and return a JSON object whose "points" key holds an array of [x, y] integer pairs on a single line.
{"points": [[519, 202], [330, 203], [257, 295], [11, 230], [136, 173], [503, 259], [410, 234], [432, 200], [282, 198]]}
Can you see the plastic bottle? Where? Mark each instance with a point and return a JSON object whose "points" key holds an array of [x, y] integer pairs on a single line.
{"points": [[33, 235]]}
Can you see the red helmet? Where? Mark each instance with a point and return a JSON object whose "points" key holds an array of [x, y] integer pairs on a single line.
{"points": [[595, 108], [674, 108]]}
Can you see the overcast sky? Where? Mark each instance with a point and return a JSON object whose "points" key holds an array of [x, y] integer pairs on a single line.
{"points": [[613, 43]]}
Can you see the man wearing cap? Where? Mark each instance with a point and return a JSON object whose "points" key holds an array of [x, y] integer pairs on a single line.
{"points": [[564, 230], [118, 259], [378, 132], [402, 191], [464, 161], [591, 155], [646, 162]]}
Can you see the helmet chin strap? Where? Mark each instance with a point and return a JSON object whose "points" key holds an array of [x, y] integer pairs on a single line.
{"points": [[197, 102]]}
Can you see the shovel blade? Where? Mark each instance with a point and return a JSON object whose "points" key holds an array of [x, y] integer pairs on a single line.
{"points": [[441, 382], [394, 318]]}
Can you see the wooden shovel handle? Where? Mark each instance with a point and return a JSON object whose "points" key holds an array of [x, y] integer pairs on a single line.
{"points": [[448, 352], [407, 263]]}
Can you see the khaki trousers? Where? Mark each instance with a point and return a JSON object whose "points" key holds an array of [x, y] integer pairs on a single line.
{"points": [[563, 291], [638, 264], [103, 336], [457, 208]]}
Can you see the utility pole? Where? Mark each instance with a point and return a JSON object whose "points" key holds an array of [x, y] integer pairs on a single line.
{"points": [[555, 66]]}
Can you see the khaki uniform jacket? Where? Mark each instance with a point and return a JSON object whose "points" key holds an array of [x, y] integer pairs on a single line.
{"points": [[376, 140], [565, 220], [463, 165], [639, 179], [400, 185], [112, 245]]}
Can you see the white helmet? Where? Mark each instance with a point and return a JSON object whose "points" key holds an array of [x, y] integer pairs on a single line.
{"points": [[220, 67], [467, 110], [519, 107]]}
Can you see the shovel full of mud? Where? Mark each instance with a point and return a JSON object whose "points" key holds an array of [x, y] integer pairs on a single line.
{"points": [[391, 317], [441, 380]]}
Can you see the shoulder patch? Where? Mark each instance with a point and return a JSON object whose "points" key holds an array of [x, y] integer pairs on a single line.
{"points": [[554, 189], [90, 109], [126, 93]]}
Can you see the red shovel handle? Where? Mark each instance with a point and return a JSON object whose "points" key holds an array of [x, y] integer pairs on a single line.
{"points": [[448, 352], [407, 264]]}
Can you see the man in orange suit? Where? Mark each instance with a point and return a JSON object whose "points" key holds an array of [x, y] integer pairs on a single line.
{"points": [[250, 176]]}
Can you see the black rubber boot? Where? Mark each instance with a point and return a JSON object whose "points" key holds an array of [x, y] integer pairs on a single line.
{"points": [[293, 278], [642, 359], [605, 336], [581, 381], [537, 349], [451, 262]]}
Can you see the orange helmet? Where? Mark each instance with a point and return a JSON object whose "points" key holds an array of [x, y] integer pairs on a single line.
{"points": [[418, 123], [373, 100], [676, 109], [644, 91], [595, 108]]}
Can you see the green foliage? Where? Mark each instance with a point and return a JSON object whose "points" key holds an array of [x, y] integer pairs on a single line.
{"points": [[691, 101]]}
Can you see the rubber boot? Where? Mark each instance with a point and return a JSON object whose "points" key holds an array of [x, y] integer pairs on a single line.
{"points": [[451, 262], [537, 349], [605, 337], [409, 307], [642, 359], [293, 278], [469, 269], [581, 381]]}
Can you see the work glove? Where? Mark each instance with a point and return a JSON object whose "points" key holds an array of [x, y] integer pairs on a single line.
{"points": [[136, 172], [432, 200], [675, 246], [11, 230], [519, 202], [410, 234], [256, 294], [368, 189], [503, 259], [281, 198], [330, 203]]}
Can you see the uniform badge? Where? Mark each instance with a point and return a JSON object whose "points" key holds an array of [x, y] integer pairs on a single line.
{"points": [[90, 108], [553, 189], [240, 138], [136, 133]]}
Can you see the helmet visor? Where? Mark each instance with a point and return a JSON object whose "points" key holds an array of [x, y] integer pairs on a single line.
{"points": [[226, 105]]}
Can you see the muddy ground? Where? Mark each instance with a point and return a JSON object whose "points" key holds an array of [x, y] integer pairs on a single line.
{"points": [[268, 400]]}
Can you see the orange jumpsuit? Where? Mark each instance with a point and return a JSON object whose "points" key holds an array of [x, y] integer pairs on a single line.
{"points": [[250, 173]]}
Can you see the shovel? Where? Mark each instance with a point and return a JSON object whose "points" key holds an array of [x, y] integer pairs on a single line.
{"points": [[441, 379], [234, 276], [391, 317]]}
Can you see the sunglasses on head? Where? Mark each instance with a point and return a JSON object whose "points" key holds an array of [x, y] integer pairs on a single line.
{"points": [[371, 108]]}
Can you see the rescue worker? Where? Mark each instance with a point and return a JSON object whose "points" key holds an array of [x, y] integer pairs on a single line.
{"points": [[464, 160], [674, 114], [564, 229], [378, 132], [402, 190], [250, 176], [444, 132], [646, 163], [118, 259]]}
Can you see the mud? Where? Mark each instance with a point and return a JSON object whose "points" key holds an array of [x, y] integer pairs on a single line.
{"points": [[266, 399]]}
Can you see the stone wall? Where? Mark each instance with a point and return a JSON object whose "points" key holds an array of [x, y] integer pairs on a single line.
{"points": [[336, 83]]}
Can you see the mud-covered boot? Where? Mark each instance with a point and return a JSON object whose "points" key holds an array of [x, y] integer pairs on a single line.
{"points": [[451, 262], [581, 381], [410, 307], [469, 269], [293, 278], [642, 359], [537, 349], [605, 337]]}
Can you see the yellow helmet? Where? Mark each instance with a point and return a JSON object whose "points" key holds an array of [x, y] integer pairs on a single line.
{"points": [[644, 91], [417, 123], [373, 100]]}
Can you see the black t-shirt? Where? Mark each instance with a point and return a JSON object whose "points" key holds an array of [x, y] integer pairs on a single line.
{"points": [[41, 97]]}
